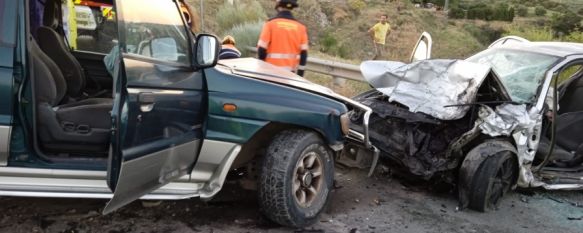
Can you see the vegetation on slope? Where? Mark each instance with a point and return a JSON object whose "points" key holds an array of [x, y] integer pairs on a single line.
{"points": [[338, 28]]}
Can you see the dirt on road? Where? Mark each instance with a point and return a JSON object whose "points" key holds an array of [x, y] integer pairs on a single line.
{"points": [[359, 204]]}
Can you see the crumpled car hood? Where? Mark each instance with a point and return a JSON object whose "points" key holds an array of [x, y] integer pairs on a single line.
{"points": [[439, 88], [254, 68]]}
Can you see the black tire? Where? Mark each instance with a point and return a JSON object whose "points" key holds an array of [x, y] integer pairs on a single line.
{"points": [[277, 198], [494, 178]]}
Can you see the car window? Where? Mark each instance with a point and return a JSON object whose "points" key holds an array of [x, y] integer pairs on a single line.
{"points": [[8, 11], [155, 30], [570, 72], [92, 26], [521, 72]]}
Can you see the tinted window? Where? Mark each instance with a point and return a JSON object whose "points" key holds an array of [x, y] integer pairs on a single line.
{"points": [[154, 30], [96, 28], [8, 9]]}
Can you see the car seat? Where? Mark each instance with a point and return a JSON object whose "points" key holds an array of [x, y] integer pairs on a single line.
{"points": [[82, 126], [54, 45]]}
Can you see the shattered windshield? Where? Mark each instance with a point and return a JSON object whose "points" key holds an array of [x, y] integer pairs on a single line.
{"points": [[521, 72]]}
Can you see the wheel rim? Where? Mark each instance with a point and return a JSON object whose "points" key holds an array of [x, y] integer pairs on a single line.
{"points": [[501, 183], [308, 178]]}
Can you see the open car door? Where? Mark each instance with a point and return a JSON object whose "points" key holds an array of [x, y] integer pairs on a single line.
{"points": [[422, 50], [160, 101]]}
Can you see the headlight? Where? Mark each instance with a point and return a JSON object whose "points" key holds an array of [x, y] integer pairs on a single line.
{"points": [[345, 123]]}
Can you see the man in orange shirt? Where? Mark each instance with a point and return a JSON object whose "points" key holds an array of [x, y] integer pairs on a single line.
{"points": [[284, 40]]}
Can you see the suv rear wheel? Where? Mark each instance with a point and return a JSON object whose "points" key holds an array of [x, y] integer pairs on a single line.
{"points": [[296, 178]]}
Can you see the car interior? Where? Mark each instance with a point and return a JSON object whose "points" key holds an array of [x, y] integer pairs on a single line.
{"points": [[71, 118], [568, 149]]}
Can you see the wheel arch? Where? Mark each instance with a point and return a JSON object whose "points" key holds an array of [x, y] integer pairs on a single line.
{"points": [[261, 139], [474, 159]]}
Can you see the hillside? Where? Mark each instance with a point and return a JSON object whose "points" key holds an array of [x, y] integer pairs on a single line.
{"points": [[338, 28]]}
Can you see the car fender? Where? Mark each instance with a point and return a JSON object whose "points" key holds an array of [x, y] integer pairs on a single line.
{"points": [[255, 103]]}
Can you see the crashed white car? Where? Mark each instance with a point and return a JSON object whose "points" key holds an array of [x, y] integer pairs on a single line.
{"points": [[510, 116]]}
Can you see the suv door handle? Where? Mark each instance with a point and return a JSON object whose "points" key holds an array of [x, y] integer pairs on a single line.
{"points": [[146, 98], [146, 101]]}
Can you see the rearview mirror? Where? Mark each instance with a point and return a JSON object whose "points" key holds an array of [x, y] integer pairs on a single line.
{"points": [[422, 50], [207, 51]]}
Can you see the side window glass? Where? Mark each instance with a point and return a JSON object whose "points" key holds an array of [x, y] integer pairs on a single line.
{"points": [[150, 33], [570, 72], [90, 26], [8, 11]]}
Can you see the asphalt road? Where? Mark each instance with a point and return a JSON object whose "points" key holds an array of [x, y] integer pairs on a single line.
{"points": [[360, 204]]}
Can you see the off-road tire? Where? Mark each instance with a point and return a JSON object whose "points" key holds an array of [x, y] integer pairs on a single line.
{"points": [[276, 196], [485, 180]]}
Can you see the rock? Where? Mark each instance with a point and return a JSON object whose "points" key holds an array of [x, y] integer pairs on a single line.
{"points": [[377, 201]]}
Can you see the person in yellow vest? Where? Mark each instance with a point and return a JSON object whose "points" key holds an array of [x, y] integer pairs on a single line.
{"points": [[379, 33]]}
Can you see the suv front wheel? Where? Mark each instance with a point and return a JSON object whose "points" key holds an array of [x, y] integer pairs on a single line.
{"points": [[296, 178]]}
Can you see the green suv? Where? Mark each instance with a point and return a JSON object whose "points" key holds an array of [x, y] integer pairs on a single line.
{"points": [[162, 118]]}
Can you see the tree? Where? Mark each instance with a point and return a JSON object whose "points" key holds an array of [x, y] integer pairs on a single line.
{"points": [[540, 11], [565, 23], [522, 11], [510, 15], [500, 12]]}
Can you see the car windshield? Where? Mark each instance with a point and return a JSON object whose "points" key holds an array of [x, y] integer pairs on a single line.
{"points": [[521, 72]]}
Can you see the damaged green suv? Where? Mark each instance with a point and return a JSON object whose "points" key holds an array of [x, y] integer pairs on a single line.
{"points": [[164, 119]]}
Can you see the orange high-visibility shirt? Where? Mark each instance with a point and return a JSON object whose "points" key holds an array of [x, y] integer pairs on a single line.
{"points": [[284, 39]]}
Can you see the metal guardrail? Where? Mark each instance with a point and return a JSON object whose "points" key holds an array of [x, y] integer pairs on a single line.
{"points": [[338, 70]]}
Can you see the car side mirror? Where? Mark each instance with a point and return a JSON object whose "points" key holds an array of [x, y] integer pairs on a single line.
{"points": [[207, 51], [422, 50]]}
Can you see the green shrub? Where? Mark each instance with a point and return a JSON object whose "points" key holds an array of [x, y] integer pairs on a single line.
{"points": [[522, 11], [456, 13], [565, 23], [511, 14], [484, 34], [531, 33], [550, 4], [576, 37], [540, 11], [343, 51], [246, 35], [356, 5], [241, 12], [327, 42]]}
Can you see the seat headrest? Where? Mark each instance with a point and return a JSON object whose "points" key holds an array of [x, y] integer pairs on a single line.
{"points": [[52, 13]]}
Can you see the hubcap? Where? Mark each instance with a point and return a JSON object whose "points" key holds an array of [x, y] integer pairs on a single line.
{"points": [[307, 179]]}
